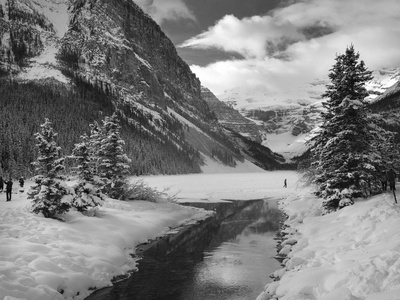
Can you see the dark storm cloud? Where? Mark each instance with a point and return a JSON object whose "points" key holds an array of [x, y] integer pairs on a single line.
{"points": [[162, 10]]}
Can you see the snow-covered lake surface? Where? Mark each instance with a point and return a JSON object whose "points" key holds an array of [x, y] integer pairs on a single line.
{"points": [[351, 254], [233, 186]]}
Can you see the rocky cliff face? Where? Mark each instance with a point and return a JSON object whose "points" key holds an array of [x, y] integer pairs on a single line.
{"points": [[114, 43], [22, 31], [231, 118]]}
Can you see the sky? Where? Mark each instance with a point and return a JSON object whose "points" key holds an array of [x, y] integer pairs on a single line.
{"points": [[276, 43]]}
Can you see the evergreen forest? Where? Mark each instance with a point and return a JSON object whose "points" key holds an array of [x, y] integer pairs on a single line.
{"points": [[24, 106]]}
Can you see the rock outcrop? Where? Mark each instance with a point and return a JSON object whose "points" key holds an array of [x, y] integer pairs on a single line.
{"points": [[231, 118]]}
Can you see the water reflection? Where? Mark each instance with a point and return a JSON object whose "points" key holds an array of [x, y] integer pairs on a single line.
{"points": [[227, 257], [239, 260]]}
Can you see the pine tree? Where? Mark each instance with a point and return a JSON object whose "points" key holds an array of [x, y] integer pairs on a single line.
{"points": [[348, 77], [87, 191], [95, 139], [113, 162], [49, 196], [344, 160]]}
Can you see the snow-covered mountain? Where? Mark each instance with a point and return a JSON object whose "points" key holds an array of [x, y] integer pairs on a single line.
{"points": [[113, 47], [287, 119]]}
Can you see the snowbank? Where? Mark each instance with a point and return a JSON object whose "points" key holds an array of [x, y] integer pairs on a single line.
{"points": [[352, 254], [44, 259]]}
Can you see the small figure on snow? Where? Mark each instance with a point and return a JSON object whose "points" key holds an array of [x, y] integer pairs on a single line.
{"points": [[21, 182], [383, 180], [285, 183], [391, 177], [1, 184], [9, 185]]}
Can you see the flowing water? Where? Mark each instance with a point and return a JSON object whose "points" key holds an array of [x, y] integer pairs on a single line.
{"points": [[229, 256]]}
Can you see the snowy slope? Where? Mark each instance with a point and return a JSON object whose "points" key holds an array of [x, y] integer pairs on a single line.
{"points": [[45, 259], [351, 254], [383, 80], [46, 65]]}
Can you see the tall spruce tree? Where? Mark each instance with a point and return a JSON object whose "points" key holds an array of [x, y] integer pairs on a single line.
{"points": [[343, 157], [113, 162], [95, 139], [49, 196], [87, 192]]}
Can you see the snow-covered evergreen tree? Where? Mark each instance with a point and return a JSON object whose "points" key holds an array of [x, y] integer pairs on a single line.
{"points": [[348, 77], [95, 139], [384, 143], [87, 192], [113, 162], [50, 195], [344, 157]]}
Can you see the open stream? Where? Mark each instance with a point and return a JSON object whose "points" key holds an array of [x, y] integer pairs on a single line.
{"points": [[226, 257]]}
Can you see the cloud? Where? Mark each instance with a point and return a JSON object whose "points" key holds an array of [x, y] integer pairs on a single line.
{"points": [[298, 43], [163, 10], [246, 36]]}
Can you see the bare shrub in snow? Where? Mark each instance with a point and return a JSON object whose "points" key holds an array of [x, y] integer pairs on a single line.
{"points": [[141, 191]]}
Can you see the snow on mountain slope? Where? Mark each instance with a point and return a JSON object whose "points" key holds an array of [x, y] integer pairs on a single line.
{"points": [[112, 46], [259, 97], [46, 21], [383, 80], [288, 119], [56, 11], [44, 66]]}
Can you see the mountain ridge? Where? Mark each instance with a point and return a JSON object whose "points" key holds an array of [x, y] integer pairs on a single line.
{"points": [[118, 50], [287, 120]]}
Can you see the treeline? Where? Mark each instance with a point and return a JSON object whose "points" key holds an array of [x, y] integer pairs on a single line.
{"points": [[213, 131], [23, 16], [25, 105], [25, 40], [259, 154], [224, 156]]}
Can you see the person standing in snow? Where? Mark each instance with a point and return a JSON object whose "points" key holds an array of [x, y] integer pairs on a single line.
{"points": [[383, 180], [9, 185], [1, 184], [285, 183], [391, 177], [21, 182]]}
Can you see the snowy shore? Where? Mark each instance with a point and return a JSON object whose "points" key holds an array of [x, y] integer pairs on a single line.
{"points": [[351, 254], [45, 259]]}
